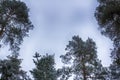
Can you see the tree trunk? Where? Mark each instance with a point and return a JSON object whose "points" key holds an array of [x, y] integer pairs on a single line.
{"points": [[84, 68], [84, 72]]}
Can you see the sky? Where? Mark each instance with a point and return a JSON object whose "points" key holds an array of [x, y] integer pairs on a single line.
{"points": [[55, 22]]}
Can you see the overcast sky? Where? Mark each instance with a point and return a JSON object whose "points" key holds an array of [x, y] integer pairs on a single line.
{"points": [[55, 22]]}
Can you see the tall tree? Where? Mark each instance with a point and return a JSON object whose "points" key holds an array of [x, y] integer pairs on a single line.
{"points": [[14, 23], [108, 17], [82, 56], [10, 69], [44, 67]]}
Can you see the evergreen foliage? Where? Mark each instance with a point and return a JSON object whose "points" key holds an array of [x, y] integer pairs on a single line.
{"points": [[108, 17], [114, 71], [10, 69], [44, 67], [64, 73], [82, 57], [14, 23]]}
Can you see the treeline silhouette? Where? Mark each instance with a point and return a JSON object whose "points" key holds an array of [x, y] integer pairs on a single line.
{"points": [[80, 60]]}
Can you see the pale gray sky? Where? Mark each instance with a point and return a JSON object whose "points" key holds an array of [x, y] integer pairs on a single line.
{"points": [[56, 21]]}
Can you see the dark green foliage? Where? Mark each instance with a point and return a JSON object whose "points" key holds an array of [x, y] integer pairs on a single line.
{"points": [[14, 23], [83, 58], [114, 71], [10, 69], [44, 68], [64, 73], [101, 73], [108, 17]]}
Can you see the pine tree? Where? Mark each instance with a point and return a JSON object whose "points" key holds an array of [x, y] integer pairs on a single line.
{"points": [[10, 69], [14, 23], [44, 67], [108, 17], [82, 57]]}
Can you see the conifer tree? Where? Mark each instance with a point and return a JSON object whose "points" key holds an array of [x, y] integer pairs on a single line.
{"points": [[44, 67], [10, 69], [14, 23], [108, 17], [82, 57]]}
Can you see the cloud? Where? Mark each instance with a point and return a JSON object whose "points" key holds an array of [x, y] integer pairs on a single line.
{"points": [[60, 12]]}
